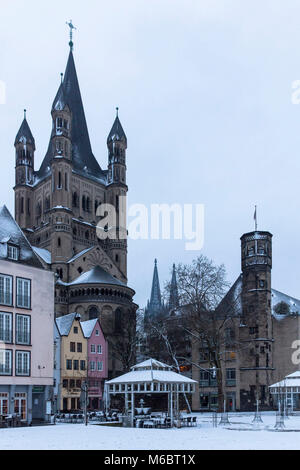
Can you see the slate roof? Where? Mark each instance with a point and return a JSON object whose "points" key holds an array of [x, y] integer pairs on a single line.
{"points": [[97, 275], [117, 132], [83, 159], [25, 132], [43, 253], [10, 232], [233, 300]]}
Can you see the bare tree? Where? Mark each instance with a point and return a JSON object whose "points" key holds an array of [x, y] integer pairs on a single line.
{"points": [[124, 344]]}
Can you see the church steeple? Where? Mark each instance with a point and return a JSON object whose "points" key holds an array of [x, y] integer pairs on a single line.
{"points": [[117, 145], [68, 102], [155, 303], [173, 299], [25, 148]]}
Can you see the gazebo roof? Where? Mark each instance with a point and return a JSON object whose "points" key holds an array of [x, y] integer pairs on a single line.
{"points": [[291, 380], [151, 364], [151, 371]]}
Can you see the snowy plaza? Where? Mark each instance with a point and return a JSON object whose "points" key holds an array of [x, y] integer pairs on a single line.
{"points": [[240, 434]]}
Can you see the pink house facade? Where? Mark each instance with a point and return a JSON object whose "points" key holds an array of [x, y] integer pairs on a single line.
{"points": [[97, 359], [26, 326]]}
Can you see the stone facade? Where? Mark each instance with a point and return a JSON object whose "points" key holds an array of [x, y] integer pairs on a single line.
{"points": [[258, 350], [59, 206]]}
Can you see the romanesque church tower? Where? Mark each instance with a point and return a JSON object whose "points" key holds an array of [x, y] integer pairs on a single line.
{"points": [[56, 206], [255, 331]]}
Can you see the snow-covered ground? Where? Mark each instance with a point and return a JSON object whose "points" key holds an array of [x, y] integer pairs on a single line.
{"points": [[240, 435]]}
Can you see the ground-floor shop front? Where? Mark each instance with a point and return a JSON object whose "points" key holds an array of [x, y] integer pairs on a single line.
{"points": [[30, 403]]}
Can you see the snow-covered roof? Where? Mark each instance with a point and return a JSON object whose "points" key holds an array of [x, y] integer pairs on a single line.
{"points": [[43, 253], [80, 254], [151, 364], [141, 376], [97, 275], [294, 304], [65, 322], [10, 232], [151, 370], [88, 327], [291, 380], [233, 301]]}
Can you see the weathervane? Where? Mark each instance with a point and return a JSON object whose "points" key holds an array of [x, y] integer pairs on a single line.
{"points": [[71, 26]]}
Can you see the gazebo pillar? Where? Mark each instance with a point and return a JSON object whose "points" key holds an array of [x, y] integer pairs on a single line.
{"points": [[132, 408], [171, 403]]}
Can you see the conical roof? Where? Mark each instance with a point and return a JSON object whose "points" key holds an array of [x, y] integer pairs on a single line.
{"points": [[155, 299], [24, 134], [117, 132]]}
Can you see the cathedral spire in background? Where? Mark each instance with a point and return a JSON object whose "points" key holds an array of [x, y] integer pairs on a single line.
{"points": [[155, 303], [173, 299]]}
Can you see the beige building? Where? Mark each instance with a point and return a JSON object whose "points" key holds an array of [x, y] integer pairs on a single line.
{"points": [[73, 361]]}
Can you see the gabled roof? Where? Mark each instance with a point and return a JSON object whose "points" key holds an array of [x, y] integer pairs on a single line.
{"points": [[10, 232], [64, 323], [294, 304], [24, 134], [233, 301], [44, 254], [88, 327], [83, 159], [117, 132]]}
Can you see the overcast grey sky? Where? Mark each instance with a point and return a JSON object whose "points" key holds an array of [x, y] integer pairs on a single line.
{"points": [[204, 89]]}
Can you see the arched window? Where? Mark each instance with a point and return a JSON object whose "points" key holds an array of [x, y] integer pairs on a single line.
{"points": [[93, 312], [59, 242], [88, 204], [59, 181], [83, 203], [22, 205], [118, 320], [66, 181]]}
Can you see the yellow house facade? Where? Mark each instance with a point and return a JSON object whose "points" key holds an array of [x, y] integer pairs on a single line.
{"points": [[73, 361]]}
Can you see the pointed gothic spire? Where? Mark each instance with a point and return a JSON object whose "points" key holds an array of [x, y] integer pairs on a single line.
{"points": [[173, 299], [69, 95], [155, 304], [117, 131], [24, 134]]}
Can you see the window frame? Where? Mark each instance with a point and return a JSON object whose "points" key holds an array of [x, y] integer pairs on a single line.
{"points": [[29, 293], [15, 249], [11, 291], [16, 329], [10, 314], [27, 353], [11, 363]]}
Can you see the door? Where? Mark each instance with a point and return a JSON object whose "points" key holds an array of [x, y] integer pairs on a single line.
{"points": [[21, 405]]}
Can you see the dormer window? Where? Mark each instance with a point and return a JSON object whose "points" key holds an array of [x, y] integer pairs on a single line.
{"points": [[12, 252]]}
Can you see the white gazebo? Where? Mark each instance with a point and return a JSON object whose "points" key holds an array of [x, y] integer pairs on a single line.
{"points": [[150, 377], [288, 390]]}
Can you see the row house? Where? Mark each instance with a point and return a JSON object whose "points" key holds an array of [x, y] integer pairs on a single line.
{"points": [[82, 351], [26, 326]]}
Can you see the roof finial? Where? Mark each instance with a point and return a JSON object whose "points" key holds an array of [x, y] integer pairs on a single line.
{"points": [[25, 110], [117, 109], [255, 218], [71, 26]]}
